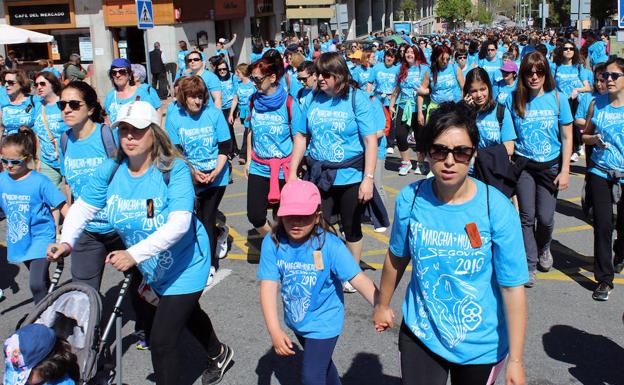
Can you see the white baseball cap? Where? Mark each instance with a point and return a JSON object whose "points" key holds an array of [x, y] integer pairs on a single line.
{"points": [[222, 40], [139, 114]]}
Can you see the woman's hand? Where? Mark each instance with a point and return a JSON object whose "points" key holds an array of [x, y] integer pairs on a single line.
{"points": [[120, 260], [383, 318], [231, 119], [421, 118], [199, 177], [56, 251], [468, 99], [282, 343], [515, 374], [247, 168], [365, 192], [573, 94], [562, 181], [392, 110], [211, 176]]}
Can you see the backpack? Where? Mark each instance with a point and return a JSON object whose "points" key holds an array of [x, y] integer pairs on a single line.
{"points": [[107, 139]]}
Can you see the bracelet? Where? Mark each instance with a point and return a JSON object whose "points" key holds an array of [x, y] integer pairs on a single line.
{"points": [[515, 361], [68, 245], [370, 176]]}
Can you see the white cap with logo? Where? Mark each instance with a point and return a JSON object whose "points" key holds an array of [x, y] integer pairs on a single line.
{"points": [[139, 114]]}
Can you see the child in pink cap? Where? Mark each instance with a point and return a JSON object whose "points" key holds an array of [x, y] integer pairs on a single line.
{"points": [[310, 263]]}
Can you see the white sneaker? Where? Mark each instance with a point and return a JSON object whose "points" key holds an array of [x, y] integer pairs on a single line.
{"points": [[390, 150], [1, 294], [574, 158], [582, 152], [211, 275], [347, 288], [380, 229], [222, 242]]}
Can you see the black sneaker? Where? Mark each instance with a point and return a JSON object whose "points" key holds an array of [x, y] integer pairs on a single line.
{"points": [[217, 366], [602, 292], [618, 264]]}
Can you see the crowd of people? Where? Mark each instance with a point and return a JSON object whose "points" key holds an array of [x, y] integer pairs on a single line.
{"points": [[493, 119]]}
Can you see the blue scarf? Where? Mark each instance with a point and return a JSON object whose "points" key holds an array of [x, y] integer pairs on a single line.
{"points": [[264, 103]]}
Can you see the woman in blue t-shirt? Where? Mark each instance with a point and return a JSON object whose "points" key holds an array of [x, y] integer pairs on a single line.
{"points": [[603, 130], [489, 61], [464, 311], [382, 79], [201, 132], [20, 111], [196, 66], [273, 118], [229, 83], [446, 81], [240, 106], [406, 103], [49, 126], [125, 90], [362, 72], [342, 150], [596, 50], [543, 124], [148, 195]]}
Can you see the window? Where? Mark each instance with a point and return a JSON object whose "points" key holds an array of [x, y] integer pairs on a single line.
{"points": [[69, 42], [362, 10]]}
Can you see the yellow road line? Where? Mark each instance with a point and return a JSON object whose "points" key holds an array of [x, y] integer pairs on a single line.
{"points": [[390, 190], [235, 195], [237, 172], [378, 236], [573, 200], [242, 243], [235, 214], [572, 229]]}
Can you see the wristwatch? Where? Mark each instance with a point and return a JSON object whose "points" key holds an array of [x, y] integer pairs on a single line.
{"points": [[370, 176]]}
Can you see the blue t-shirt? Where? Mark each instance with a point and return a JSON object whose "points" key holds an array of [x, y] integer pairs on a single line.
{"points": [[492, 67], [446, 87], [597, 53], [228, 90], [453, 302], [27, 204], [199, 136], [337, 132], [415, 76], [154, 99], [501, 90], [55, 126], [607, 122], [78, 164], [256, 56], [16, 115], [181, 62], [380, 125], [112, 103], [4, 98], [362, 75], [272, 136], [64, 381], [183, 268], [313, 299], [384, 80], [568, 77], [490, 131], [212, 83], [473, 60], [584, 100], [538, 132], [244, 92]]}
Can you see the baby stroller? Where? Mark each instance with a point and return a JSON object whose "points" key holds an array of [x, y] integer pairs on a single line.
{"points": [[74, 311]]}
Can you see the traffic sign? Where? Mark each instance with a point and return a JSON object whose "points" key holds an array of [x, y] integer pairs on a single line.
{"points": [[145, 14], [621, 14]]}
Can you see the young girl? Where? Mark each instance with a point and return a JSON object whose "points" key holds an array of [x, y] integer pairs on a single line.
{"points": [[28, 198], [244, 89], [35, 356], [309, 263]]}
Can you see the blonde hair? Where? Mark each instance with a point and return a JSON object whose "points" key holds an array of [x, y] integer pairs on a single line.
{"points": [[163, 153]]}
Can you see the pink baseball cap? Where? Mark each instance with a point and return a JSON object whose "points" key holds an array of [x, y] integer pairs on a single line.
{"points": [[510, 66], [299, 197]]}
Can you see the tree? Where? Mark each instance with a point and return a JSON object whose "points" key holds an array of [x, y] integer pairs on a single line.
{"points": [[603, 10], [482, 15], [408, 7], [453, 11], [559, 12]]}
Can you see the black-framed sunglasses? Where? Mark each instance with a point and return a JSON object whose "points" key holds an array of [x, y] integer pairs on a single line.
{"points": [[119, 72], [73, 104], [613, 75], [257, 80], [12, 162], [222, 69], [325, 74], [41, 84], [568, 48], [538, 73], [193, 59], [10, 83], [461, 57], [461, 154]]}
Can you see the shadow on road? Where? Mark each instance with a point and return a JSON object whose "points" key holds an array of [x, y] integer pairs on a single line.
{"points": [[366, 369], [570, 262], [570, 209], [597, 359], [8, 272]]}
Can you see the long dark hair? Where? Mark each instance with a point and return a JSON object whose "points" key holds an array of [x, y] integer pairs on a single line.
{"points": [[90, 98], [59, 363], [521, 94], [478, 74], [52, 79], [484, 48], [438, 51], [558, 56]]}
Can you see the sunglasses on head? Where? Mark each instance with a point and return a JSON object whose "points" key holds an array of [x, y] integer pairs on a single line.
{"points": [[613, 75], [461, 154], [193, 59], [119, 72], [10, 83], [73, 104], [12, 162]]}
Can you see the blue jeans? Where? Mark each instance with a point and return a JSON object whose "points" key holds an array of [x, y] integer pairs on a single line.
{"points": [[317, 367]]}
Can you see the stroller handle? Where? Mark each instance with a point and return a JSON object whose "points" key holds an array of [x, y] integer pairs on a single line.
{"points": [[125, 284], [56, 277]]}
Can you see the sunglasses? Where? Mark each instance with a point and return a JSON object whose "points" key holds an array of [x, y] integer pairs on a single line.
{"points": [[222, 69], [613, 75], [193, 59], [73, 104], [491, 49], [568, 48], [41, 84], [461, 154], [119, 72], [538, 73], [257, 80], [12, 162], [461, 57], [10, 83], [303, 79], [327, 75]]}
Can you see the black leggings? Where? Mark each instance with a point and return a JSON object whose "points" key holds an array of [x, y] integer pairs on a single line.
{"points": [[207, 204], [602, 200], [172, 314], [576, 131], [39, 279], [420, 366], [343, 200], [226, 113], [403, 130], [258, 199]]}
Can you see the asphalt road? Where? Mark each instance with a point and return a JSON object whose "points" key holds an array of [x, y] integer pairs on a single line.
{"points": [[571, 339]]}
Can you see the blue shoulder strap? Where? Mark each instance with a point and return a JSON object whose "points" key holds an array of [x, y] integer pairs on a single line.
{"points": [[110, 146]]}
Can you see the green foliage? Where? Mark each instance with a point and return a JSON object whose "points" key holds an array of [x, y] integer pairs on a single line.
{"points": [[453, 11], [408, 7], [482, 15]]}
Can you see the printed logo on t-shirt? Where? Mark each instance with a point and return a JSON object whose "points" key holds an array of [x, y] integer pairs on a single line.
{"points": [[298, 283], [328, 143], [18, 207]]}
